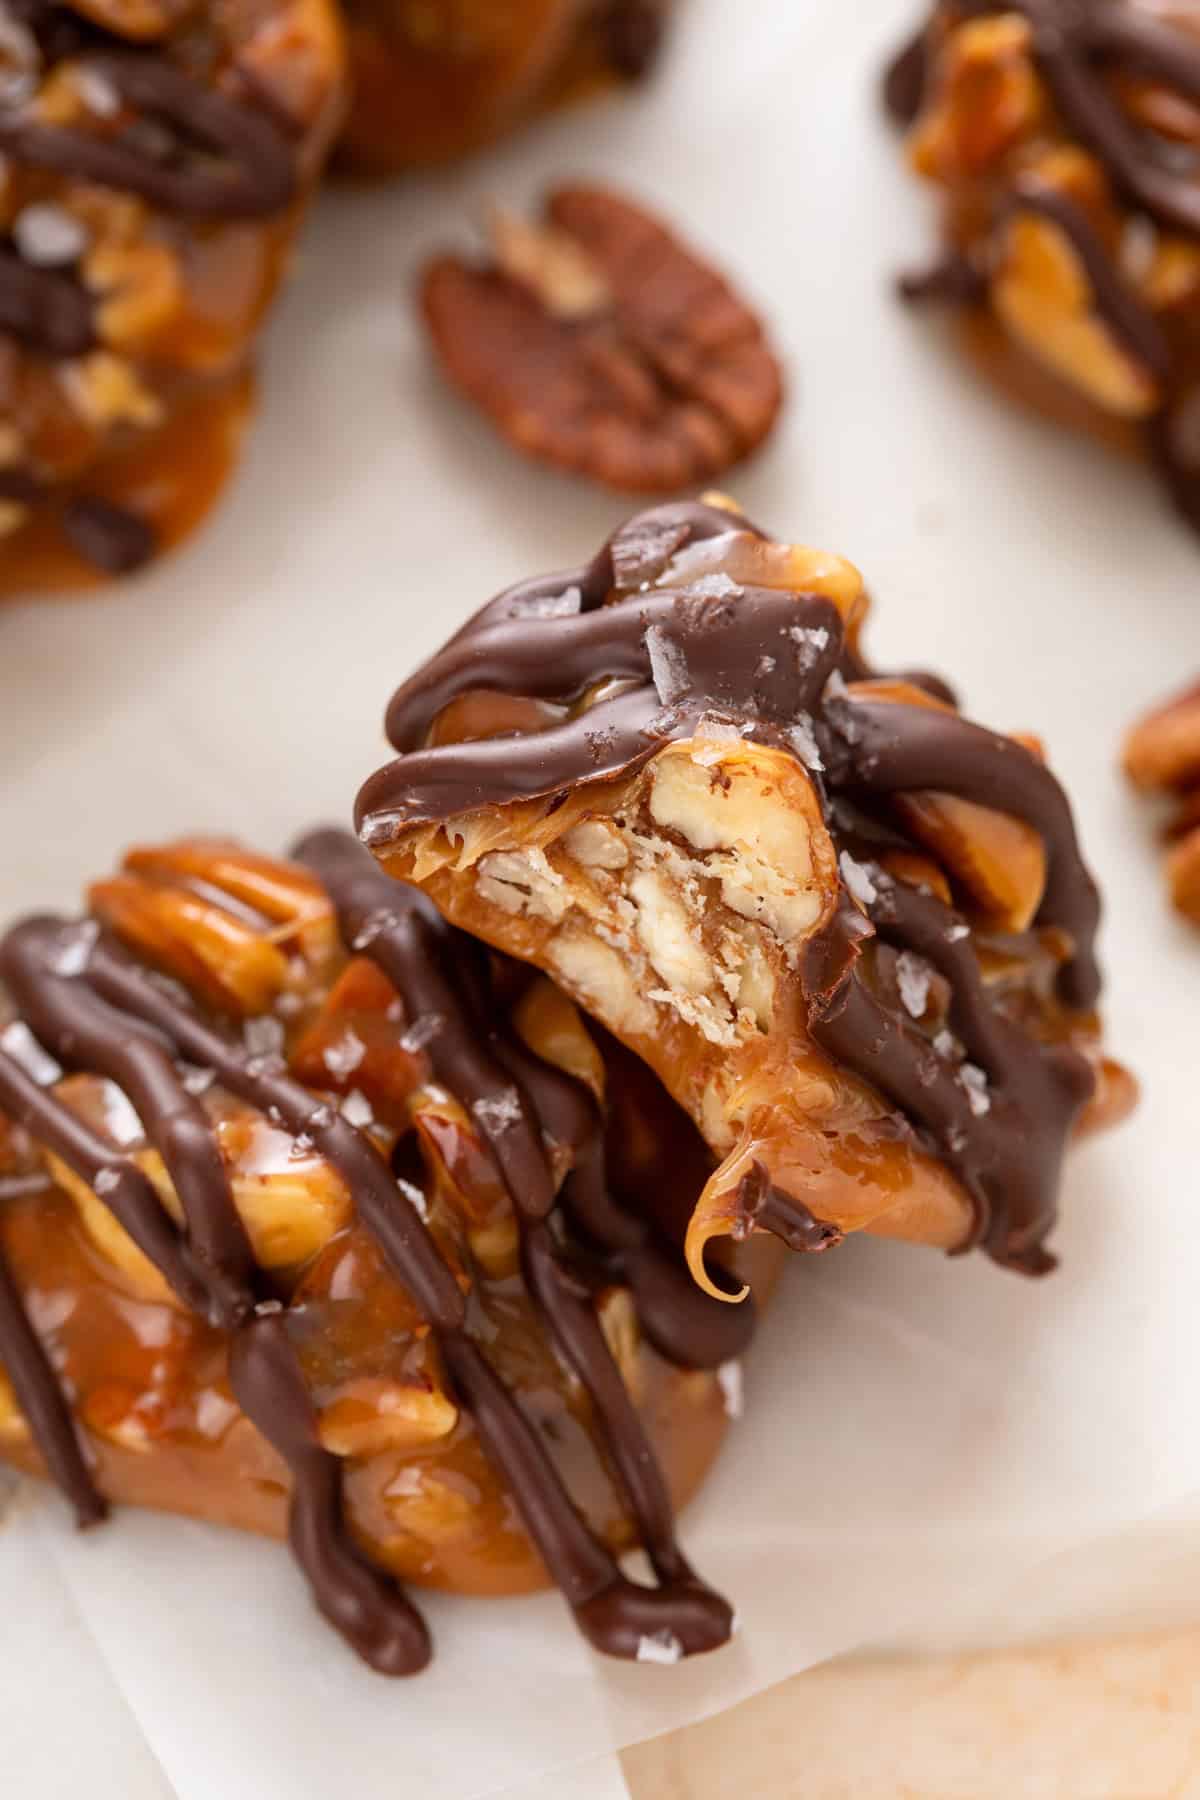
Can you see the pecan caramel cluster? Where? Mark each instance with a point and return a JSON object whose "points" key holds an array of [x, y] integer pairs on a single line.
{"points": [[849, 931], [1064, 141], [154, 161], [308, 1223]]}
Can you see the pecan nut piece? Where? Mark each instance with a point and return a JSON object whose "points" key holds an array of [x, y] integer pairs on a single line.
{"points": [[598, 342], [1162, 753]]}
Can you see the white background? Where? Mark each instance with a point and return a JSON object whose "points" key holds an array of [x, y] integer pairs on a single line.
{"points": [[934, 1450]]}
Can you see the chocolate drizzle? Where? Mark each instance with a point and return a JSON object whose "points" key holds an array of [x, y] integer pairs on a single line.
{"points": [[1077, 47], [719, 643], [95, 1007], [226, 159], [46, 309]]}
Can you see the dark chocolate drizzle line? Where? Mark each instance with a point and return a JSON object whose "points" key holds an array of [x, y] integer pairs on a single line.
{"points": [[363, 1602], [402, 934], [1009, 1158], [890, 748], [1075, 46], [231, 161], [384, 1627], [1127, 317], [871, 751], [45, 309], [101, 1010], [45, 1406]]}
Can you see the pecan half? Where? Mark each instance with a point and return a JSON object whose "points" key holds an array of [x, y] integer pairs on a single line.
{"points": [[1162, 753], [598, 342]]}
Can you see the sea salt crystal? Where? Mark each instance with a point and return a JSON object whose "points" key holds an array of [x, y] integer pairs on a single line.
{"points": [[714, 587], [946, 1044], [547, 606], [766, 666], [263, 1036], [301, 1146], [415, 1197], [835, 687], [813, 638], [73, 951], [976, 1084], [659, 1647], [356, 1110], [729, 1376], [857, 879], [197, 1080], [421, 1032], [320, 1118], [803, 740], [267, 1309], [48, 236], [342, 1057], [956, 933], [498, 1112], [17, 1041], [96, 91], [913, 978], [374, 923], [106, 1181], [668, 666]]}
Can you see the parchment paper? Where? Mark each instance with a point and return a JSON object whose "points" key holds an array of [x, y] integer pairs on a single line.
{"points": [[932, 1451]]}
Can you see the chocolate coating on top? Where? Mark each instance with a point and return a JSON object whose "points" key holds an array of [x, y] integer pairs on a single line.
{"points": [[96, 1007], [228, 159], [1077, 47], [525, 644]]}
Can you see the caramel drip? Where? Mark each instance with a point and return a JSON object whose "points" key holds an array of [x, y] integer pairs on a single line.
{"points": [[233, 162], [720, 649], [95, 1007]]}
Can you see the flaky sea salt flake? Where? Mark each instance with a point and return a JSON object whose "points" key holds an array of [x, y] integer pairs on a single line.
{"points": [[857, 878], [659, 1647], [913, 978]]}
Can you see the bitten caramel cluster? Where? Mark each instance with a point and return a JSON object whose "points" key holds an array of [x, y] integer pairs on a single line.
{"points": [[308, 1222], [1064, 141], [849, 930]]}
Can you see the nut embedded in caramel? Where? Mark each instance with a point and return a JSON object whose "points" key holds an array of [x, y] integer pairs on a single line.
{"points": [[849, 931], [596, 341]]}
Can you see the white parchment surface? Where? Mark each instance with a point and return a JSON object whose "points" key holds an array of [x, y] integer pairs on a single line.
{"points": [[932, 1450]]}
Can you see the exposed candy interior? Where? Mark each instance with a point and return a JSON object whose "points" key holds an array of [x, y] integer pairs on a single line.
{"points": [[850, 931], [155, 164], [307, 1221], [1065, 142]]}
